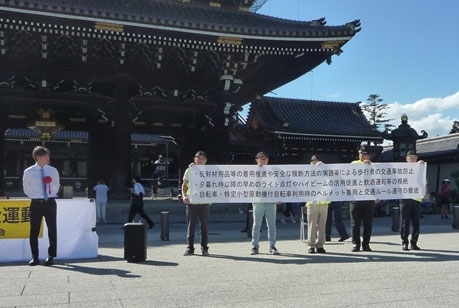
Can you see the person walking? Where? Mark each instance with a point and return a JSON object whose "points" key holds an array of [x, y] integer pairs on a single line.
{"points": [[445, 198], [410, 210], [41, 184], [154, 188], [195, 211], [288, 213], [267, 209], [137, 193], [316, 212], [362, 211], [101, 200], [334, 215]]}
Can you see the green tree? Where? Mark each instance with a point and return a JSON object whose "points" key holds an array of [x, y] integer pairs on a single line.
{"points": [[375, 112]]}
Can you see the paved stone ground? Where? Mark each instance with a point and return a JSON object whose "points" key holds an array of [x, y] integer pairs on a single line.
{"points": [[231, 277]]}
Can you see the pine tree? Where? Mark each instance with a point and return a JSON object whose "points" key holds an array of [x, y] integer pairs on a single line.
{"points": [[375, 112]]}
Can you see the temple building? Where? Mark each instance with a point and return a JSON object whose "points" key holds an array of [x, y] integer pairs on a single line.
{"points": [[108, 87], [296, 129]]}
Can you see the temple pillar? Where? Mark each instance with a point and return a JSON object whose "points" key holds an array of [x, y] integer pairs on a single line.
{"points": [[3, 121], [210, 138], [119, 149], [109, 156], [220, 141], [98, 161]]}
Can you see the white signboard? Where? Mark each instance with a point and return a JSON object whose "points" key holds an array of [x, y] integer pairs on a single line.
{"points": [[300, 183], [76, 236]]}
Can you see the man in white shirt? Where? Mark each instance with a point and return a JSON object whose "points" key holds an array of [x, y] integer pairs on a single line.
{"points": [[41, 184], [137, 193], [101, 200]]}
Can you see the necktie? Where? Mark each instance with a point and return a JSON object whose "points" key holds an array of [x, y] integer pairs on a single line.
{"points": [[45, 194]]}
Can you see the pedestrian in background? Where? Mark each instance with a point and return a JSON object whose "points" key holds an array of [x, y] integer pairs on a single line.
{"points": [[137, 193], [445, 198], [154, 188], [101, 200], [288, 213], [335, 216]]}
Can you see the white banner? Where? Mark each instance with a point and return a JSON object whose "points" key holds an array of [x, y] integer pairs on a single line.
{"points": [[300, 183]]}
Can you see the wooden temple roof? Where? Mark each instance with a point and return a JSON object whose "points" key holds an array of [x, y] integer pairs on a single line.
{"points": [[168, 48], [26, 134], [311, 120], [189, 17]]}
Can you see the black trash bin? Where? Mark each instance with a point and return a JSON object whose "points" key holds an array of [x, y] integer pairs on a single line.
{"points": [[456, 216]]}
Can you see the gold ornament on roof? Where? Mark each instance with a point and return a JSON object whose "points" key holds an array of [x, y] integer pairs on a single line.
{"points": [[335, 45], [46, 124], [229, 41]]}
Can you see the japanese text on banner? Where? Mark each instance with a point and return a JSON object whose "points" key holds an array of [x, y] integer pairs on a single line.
{"points": [[300, 183], [15, 219]]}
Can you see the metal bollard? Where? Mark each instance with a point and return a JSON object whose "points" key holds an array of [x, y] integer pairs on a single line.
{"points": [[165, 226], [456, 217], [395, 218], [249, 223]]}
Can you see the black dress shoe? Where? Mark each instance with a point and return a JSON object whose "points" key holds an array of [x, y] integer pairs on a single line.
{"points": [[415, 247], [343, 239], [151, 226], [355, 249], [49, 261], [328, 239], [321, 250], [405, 247], [366, 248], [34, 262], [311, 250]]}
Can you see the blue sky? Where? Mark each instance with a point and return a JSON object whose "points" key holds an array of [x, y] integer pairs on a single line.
{"points": [[407, 52]]}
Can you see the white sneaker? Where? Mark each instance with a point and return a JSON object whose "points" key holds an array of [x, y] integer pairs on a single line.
{"points": [[283, 220], [293, 221]]}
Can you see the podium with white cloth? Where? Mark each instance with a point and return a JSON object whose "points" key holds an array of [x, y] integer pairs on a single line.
{"points": [[76, 233]]}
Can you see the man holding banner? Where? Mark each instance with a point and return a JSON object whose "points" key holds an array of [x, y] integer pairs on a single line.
{"points": [[195, 210], [362, 183], [317, 212], [362, 211], [267, 209], [410, 210], [41, 185]]}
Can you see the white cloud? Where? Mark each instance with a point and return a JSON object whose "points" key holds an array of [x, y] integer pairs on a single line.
{"points": [[434, 115], [333, 96]]}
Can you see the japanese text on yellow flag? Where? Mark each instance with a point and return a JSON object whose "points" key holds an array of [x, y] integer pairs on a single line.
{"points": [[15, 219], [300, 183]]}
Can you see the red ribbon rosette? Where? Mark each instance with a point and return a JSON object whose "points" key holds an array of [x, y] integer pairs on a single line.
{"points": [[47, 179]]}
